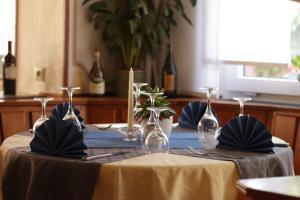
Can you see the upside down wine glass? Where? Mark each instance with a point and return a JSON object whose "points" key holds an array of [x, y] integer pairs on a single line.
{"points": [[242, 101], [70, 115], [208, 125], [43, 117], [157, 141], [149, 126], [137, 94]]}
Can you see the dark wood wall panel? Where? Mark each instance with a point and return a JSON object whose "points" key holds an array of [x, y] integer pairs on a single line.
{"points": [[103, 115], [284, 127], [14, 122], [297, 150]]}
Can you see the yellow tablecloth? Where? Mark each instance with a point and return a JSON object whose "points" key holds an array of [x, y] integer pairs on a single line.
{"points": [[156, 176]]}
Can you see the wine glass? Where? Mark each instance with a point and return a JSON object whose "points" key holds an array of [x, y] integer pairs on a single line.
{"points": [[157, 141], [208, 126], [130, 134], [242, 101], [137, 93], [150, 124], [70, 115], [43, 117]]}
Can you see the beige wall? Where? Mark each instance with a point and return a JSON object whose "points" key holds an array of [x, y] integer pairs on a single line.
{"points": [[41, 43]]}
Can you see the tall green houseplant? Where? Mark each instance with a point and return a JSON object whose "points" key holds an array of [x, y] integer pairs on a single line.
{"points": [[135, 29]]}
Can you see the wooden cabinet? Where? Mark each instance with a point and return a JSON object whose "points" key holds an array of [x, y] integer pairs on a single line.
{"points": [[283, 121], [286, 125], [13, 122]]}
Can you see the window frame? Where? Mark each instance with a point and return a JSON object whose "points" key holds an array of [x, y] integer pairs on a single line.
{"points": [[235, 81]]}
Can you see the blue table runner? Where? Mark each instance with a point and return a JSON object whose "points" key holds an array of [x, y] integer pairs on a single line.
{"points": [[113, 139]]}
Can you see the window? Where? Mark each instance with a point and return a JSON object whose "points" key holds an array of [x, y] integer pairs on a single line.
{"points": [[257, 40], [7, 27]]}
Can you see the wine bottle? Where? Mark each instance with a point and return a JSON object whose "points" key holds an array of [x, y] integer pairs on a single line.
{"points": [[96, 77], [9, 72], [169, 75]]}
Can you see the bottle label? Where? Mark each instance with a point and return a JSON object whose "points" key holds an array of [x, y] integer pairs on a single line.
{"points": [[11, 72], [97, 88], [169, 82]]}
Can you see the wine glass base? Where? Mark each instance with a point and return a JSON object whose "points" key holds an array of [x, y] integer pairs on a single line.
{"points": [[130, 135]]}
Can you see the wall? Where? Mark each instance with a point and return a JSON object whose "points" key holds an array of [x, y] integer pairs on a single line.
{"points": [[41, 43], [195, 48]]}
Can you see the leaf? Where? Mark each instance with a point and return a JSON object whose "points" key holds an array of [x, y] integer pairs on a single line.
{"points": [[193, 2], [84, 2], [144, 7], [187, 19], [167, 12], [179, 6], [98, 6], [133, 25], [111, 5]]}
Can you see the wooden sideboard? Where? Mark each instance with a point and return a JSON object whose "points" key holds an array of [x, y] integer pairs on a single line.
{"points": [[283, 121]]}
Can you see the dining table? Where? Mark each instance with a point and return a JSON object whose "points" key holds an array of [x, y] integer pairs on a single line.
{"points": [[131, 173]]}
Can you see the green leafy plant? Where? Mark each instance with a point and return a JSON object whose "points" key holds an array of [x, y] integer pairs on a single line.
{"points": [[135, 29], [296, 61], [159, 101]]}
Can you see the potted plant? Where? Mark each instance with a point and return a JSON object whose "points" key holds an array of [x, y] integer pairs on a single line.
{"points": [[134, 29], [296, 64], [166, 117]]}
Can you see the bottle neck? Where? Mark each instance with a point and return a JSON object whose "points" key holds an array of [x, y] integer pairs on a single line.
{"points": [[97, 61], [9, 47], [170, 48]]}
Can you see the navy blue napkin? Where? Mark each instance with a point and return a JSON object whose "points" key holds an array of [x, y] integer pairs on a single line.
{"points": [[191, 114], [246, 133], [58, 138], [61, 110]]}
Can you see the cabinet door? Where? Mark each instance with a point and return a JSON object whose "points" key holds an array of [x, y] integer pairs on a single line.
{"points": [[103, 115], [35, 115], [14, 122], [297, 151], [284, 126], [225, 115]]}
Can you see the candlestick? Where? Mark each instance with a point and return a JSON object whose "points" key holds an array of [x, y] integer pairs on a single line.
{"points": [[130, 100]]}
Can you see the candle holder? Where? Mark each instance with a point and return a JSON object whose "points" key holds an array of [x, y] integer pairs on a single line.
{"points": [[130, 134]]}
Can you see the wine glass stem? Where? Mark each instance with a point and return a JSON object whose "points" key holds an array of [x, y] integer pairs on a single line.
{"points": [[157, 113], [70, 94], [43, 109], [151, 118], [208, 109], [241, 109], [137, 99]]}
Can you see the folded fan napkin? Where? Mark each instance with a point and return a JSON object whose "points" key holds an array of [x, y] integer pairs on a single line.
{"points": [[61, 110], [246, 133], [191, 114], [58, 138]]}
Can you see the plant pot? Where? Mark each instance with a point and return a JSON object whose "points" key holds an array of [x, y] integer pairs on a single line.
{"points": [[122, 78], [166, 125]]}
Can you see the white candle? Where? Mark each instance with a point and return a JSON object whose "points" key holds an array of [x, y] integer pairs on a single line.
{"points": [[130, 101]]}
